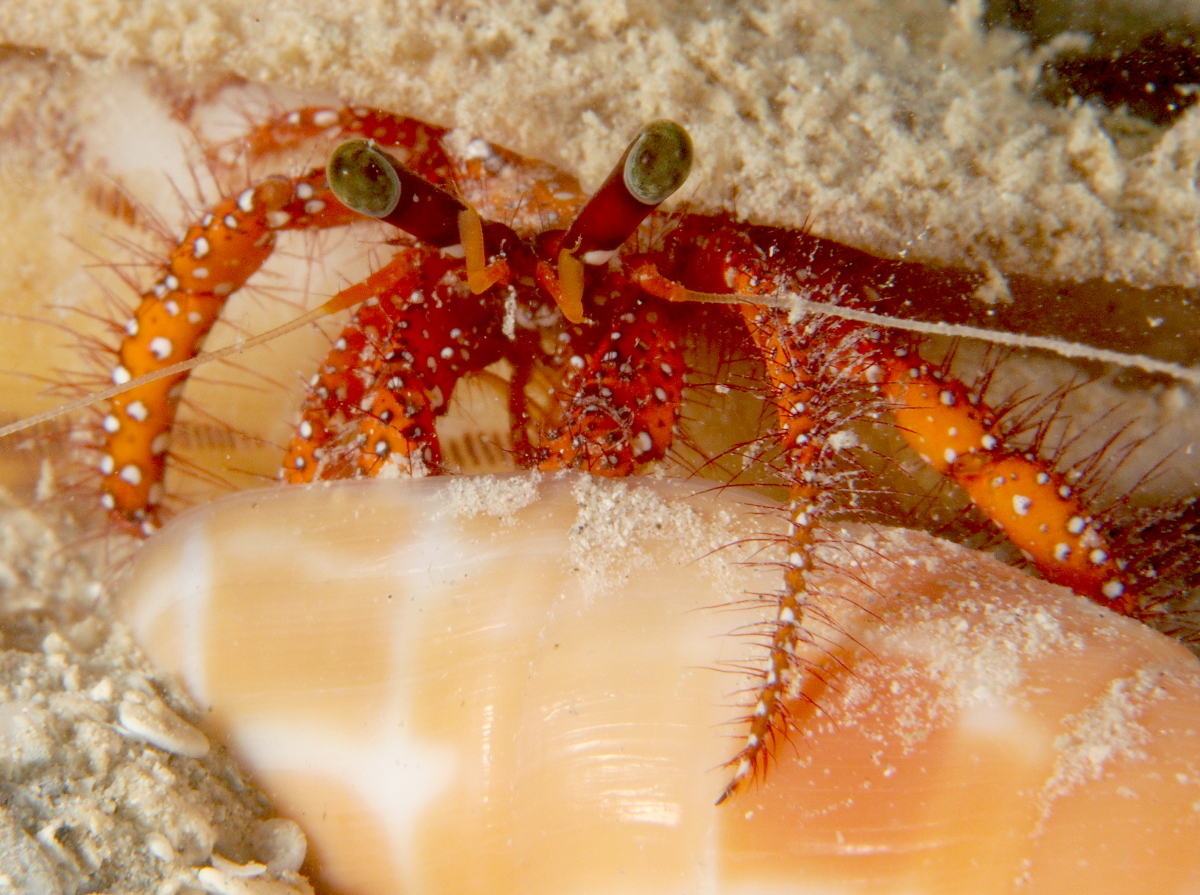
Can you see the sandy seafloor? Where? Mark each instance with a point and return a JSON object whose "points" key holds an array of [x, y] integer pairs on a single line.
{"points": [[897, 126]]}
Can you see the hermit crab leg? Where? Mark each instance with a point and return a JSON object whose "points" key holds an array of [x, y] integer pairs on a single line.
{"points": [[622, 401], [958, 435], [813, 397], [813, 365], [214, 260], [372, 406], [418, 141], [949, 426]]}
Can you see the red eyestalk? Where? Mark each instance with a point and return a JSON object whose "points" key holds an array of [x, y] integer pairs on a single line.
{"points": [[654, 166]]}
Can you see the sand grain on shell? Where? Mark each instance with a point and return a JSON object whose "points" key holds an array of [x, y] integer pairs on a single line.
{"points": [[1108, 731], [976, 654], [621, 528], [498, 496]]}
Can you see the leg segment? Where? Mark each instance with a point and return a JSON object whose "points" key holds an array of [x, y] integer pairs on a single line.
{"points": [[420, 143], [621, 399], [214, 260], [390, 374], [812, 386], [959, 436]]}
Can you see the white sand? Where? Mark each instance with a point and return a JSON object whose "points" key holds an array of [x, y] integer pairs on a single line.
{"points": [[895, 126]]}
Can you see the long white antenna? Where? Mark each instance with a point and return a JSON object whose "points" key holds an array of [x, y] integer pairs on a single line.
{"points": [[790, 301]]}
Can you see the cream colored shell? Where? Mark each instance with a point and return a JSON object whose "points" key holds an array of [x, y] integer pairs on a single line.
{"points": [[530, 685]]}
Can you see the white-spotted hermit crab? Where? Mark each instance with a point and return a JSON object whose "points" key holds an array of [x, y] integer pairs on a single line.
{"points": [[505, 258]]}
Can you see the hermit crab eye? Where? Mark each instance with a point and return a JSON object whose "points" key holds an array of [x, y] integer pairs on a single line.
{"points": [[658, 161], [655, 165], [363, 179], [368, 180]]}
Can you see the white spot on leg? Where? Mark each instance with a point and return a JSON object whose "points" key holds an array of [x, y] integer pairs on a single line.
{"points": [[161, 347], [1021, 504], [131, 474]]}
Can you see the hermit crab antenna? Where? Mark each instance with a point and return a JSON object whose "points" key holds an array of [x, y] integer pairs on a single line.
{"points": [[655, 164]]}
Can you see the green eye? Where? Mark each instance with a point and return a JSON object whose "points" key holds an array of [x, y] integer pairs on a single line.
{"points": [[363, 178], [658, 163]]}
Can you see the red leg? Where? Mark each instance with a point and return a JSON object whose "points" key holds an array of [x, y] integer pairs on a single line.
{"points": [[621, 399], [390, 374], [216, 257]]}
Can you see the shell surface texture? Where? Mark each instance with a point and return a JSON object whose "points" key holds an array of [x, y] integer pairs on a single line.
{"points": [[585, 318]]}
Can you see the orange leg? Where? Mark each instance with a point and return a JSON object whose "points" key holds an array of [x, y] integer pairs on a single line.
{"points": [[818, 371], [1036, 508], [389, 375], [216, 257]]}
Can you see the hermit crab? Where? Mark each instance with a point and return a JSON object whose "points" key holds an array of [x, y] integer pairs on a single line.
{"points": [[505, 260]]}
